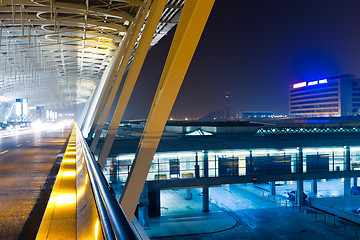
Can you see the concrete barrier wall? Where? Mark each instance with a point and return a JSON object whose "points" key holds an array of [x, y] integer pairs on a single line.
{"points": [[72, 212], [87, 220], [339, 206], [59, 220]]}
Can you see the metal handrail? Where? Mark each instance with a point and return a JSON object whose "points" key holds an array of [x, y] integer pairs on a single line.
{"points": [[113, 220]]}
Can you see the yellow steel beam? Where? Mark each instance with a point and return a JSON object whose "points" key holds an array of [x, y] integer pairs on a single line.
{"points": [[106, 90], [85, 111], [92, 103], [110, 79], [114, 88], [157, 8], [192, 22]]}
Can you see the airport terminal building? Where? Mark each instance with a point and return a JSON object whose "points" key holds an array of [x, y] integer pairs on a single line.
{"points": [[330, 97]]}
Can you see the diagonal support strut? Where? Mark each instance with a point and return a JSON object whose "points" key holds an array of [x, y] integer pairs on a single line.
{"points": [[192, 22]]}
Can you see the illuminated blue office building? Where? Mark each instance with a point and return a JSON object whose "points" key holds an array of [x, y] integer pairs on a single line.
{"points": [[329, 97]]}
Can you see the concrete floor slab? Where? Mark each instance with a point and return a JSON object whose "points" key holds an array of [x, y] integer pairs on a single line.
{"points": [[185, 217], [256, 217]]}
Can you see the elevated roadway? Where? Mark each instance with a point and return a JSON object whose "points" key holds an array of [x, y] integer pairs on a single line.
{"points": [[75, 56], [51, 188], [28, 163]]}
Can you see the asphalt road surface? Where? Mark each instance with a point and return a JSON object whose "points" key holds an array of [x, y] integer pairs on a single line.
{"points": [[27, 157]]}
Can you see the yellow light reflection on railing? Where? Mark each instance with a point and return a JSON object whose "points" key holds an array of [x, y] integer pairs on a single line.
{"points": [[97, 225], [81, 192], [72, 189], [4, 151], [71, 149], [69, 173], [62, 202], [63, 199], [80, 168], [69, 160]]}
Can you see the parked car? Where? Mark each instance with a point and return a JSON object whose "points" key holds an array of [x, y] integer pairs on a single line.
{"points": [[4, 125], [292, 195], [355, 190]]}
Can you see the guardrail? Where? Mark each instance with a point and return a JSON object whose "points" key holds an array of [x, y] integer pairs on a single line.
{"points": [[113, 220]]}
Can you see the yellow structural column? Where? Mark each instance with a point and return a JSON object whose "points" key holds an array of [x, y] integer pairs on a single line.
{"points": [[120, 73], [192, 22], [156, 10], [133, 30]]}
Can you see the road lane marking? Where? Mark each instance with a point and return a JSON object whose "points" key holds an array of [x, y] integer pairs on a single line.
{"points": [[28, 141], [19, 145], [4, 151]]}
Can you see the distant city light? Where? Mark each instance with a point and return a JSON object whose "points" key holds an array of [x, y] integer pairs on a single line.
{"points": [[51, 115], [18, 108], [21, 107], [299, 85], [312, 83], [4, 99], [25, 107]]}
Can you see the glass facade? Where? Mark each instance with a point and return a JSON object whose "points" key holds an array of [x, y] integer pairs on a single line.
{"points": [[190, 164], [315, 101], [317, 96], [337, 96], [314, 91], [316, 106]]}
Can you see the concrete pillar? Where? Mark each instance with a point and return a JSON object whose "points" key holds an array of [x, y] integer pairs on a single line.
{"points": [[154, 203], [300, 193], [188, 195], [251, 168], [347, 158], [141, 215], [314, 185], [205, 199], [142, 211], [347, 183], [272, 188], [299, 162], [206, 164], [206, 188], [299, 198], [197, 167], [347, 187]]}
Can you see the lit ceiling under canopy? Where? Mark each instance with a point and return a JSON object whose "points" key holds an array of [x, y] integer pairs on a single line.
{"points": [[54, 53]]}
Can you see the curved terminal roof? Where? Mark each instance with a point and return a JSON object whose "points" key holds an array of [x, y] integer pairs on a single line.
{"points": [[54, 52]]}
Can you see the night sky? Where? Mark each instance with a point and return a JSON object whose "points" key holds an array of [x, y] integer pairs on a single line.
{"points": [[256, 49]]}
